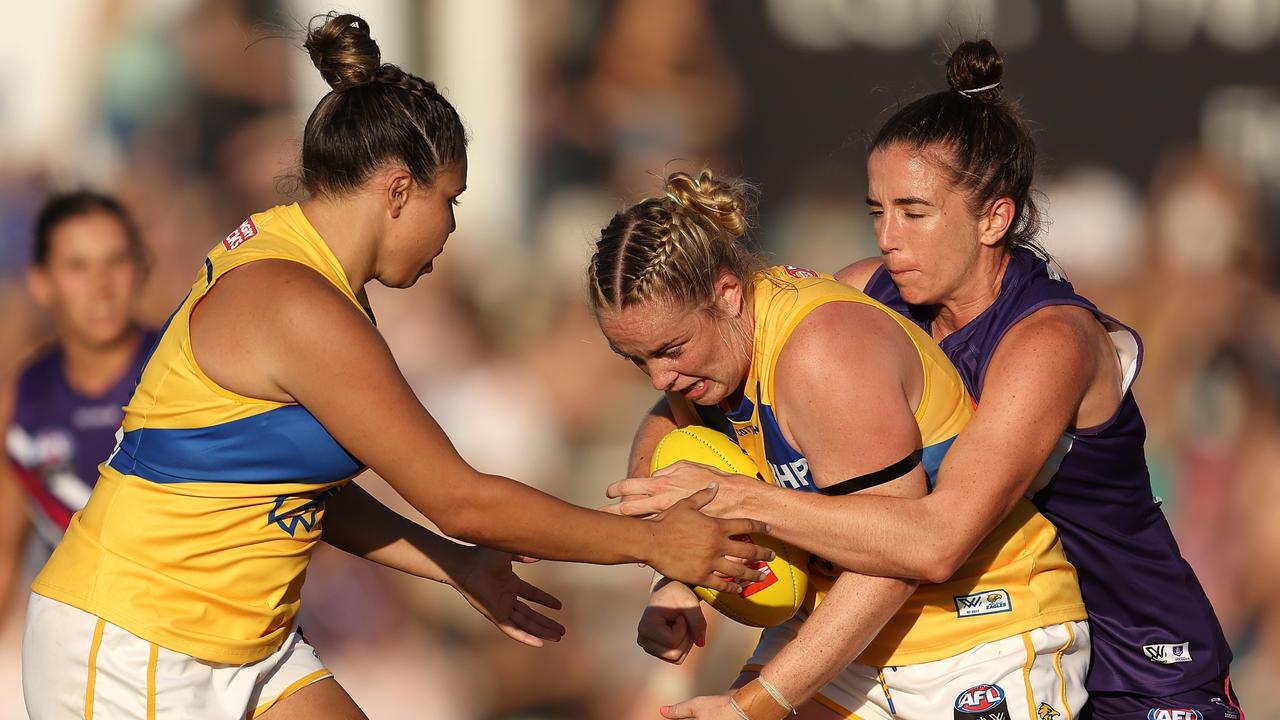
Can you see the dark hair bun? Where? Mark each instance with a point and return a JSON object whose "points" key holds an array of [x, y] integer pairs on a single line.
{"points": [[975, 64], [343, 51]]}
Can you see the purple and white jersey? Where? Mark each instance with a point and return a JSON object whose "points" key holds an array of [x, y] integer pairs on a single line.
{"points": [[1153, 630], [58, 437]]}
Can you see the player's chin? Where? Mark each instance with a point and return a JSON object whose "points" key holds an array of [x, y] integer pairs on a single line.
{"points": [[406, 281]]}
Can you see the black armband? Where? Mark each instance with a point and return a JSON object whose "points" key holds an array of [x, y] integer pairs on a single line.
{"points": [[879, 477]]}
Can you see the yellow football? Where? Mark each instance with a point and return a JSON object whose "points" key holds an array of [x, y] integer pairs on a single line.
{"points": [[774, 598]]}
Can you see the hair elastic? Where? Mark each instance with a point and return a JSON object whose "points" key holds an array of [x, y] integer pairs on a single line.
{"points": [[974, 91]]}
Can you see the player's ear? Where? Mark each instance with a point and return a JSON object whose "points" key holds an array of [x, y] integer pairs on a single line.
{"points": [[730, 296], [399, 184]]}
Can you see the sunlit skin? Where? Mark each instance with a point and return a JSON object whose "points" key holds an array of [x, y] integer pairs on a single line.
{"points": [[703, 355], [937, 251]]}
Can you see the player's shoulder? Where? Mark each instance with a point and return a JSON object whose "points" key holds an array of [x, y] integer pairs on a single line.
{"points": [[858, 274], [282, 284], [1066, 327], [847, 334]]}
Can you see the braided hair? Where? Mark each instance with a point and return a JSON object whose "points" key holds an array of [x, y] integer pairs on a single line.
{"points": [[675, 247], [376, 114]]}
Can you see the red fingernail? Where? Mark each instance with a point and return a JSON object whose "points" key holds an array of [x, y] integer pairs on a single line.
{"points": [[664, 709]]}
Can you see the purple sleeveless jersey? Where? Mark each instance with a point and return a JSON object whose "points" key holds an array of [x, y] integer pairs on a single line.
{"points": [[1154, 631], [58, 437]]}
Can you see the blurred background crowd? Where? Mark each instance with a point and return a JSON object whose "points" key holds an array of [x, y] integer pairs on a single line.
{"points": [[1159, 128]]}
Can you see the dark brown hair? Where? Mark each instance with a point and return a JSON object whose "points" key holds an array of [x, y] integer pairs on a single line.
{"points": [[675, 247], [376, 114], [986, 146], [66, 206]]}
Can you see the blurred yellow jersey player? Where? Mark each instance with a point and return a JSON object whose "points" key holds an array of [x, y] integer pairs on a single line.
{"points": [[208, 509]]}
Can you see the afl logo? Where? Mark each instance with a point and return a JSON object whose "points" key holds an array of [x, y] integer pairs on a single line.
{"points": [[982, 702]]}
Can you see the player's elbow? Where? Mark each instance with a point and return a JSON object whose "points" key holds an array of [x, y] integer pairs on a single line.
{"points": [[939, 568], [461, 524]]}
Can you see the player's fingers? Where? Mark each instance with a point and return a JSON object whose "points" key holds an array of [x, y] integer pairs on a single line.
{"points": [[662, 639], [745, 551], [697, 624], [743, 526], [679, 710], [700, 499], [666, 654], [630, 486], [525, 559], [734, 570], [538, 595], [668, 634], [645, 506], [719, 584], [516, 633], [538, 624]]}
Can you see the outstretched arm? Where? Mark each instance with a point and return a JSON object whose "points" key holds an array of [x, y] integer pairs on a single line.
{"points": [[314, 347], [356, 522], [1034, 388]]}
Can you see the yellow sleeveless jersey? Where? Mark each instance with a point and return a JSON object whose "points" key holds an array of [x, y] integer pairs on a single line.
{"points": [[199, 530], [1016, 580]]}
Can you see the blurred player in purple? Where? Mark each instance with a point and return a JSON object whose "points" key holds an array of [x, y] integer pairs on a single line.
{"points": [[61, 410]]}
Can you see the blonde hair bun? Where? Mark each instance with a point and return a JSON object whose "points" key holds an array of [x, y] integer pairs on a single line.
{"points": [[722, 201]]}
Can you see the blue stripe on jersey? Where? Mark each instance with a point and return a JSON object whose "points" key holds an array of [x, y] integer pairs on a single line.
{"points": [[932, 460], [283, 445]]}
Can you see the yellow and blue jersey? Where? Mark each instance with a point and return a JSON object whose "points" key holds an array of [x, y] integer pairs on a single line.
{"points": [[1018, 579], [198, 533]]}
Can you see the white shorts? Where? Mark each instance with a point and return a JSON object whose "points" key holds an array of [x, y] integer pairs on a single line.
{"points": [[1037, 675], [76, 665]]}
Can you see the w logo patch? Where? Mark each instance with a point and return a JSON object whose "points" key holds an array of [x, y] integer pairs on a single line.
{"points": [[298, 511]]}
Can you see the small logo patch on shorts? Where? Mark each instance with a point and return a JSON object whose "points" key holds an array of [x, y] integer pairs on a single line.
{"points": [[1046, 712], [988, 602]]}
